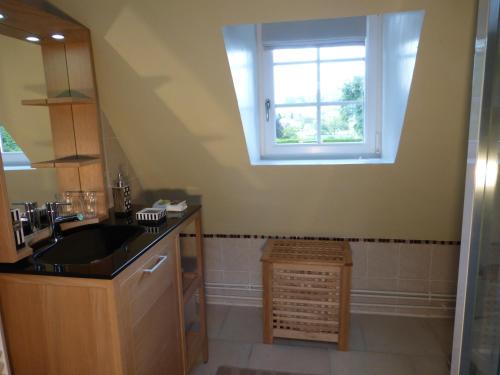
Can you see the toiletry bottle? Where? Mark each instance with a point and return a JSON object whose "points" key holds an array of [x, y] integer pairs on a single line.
{"points": [[121, 197]]}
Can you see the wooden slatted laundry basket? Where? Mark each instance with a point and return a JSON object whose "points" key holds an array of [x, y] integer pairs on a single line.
{"points": [[307, 287]]}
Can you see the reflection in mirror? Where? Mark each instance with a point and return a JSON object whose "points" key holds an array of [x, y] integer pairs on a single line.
{"points": [[25, 130]]}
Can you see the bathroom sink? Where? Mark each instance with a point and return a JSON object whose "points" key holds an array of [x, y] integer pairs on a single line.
{"points": [[86, 244]]}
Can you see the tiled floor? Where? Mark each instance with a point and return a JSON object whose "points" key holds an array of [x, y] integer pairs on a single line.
{"points": [[380, 345]]}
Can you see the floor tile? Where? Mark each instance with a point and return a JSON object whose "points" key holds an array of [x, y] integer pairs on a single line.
{"points": [[242, 324], [224, 353], [289, 358], [216, 315], [366, 363], [443, 330], [399, 335], [379, 345], [356, 336], [431, 365], [305, 344]]}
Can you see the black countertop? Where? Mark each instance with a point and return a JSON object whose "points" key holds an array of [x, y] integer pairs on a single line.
{"points": [[112, 265]]}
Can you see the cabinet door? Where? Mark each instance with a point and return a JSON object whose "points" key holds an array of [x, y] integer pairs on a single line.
{"points": [[151, 303]]}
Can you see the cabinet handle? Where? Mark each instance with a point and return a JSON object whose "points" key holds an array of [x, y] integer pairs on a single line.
{"points": [[162, 258]]}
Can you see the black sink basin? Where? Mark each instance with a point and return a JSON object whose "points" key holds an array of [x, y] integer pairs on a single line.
{"points": [[86, 244]]}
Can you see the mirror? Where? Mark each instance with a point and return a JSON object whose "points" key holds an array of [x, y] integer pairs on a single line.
{"points": [[22, 77]]}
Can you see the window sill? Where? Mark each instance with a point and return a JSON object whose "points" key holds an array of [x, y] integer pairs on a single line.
{"points": [[17, 168], [277, 162]]}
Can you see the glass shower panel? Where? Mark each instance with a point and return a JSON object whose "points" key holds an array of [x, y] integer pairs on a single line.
{"points": [[477, 327], [485, 317]]}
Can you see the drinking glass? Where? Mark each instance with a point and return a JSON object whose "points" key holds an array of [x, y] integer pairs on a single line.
{"points": [[89, 204]]}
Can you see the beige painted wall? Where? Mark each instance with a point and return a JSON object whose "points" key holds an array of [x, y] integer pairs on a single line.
{"points": [[166, 90], [38, 185], [22, 77]]}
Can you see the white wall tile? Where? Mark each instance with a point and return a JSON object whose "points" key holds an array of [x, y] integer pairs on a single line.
{"points": [[375, 284], [380, 267], [213, 276], [256, 278], [382, 259], [234, 243], [444, 263], [359, 259], [236, 277], [413, 285], [443, 287], [235, 258], [254, 255], [213, 254], [415, 261]]}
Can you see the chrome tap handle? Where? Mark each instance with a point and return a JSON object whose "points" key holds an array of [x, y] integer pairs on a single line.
{"points": [[52, 210], [55, 219]]}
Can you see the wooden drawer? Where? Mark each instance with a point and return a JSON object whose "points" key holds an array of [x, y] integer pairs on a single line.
{"points": [[150, 319], [151, 278]]}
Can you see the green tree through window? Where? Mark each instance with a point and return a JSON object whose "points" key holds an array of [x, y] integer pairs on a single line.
{"points": [[8, 143], [346, 122], [335, 125], [354, 90]]}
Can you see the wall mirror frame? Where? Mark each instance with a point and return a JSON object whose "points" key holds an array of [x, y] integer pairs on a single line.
{"points": [[72, 104]]}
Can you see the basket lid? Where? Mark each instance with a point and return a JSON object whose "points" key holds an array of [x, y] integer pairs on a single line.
{"points": [[308, 252]]}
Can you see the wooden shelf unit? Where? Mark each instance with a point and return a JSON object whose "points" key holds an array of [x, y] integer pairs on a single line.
{"points": [[68, 100], [195, 343], [190, 283], [76, 161]]}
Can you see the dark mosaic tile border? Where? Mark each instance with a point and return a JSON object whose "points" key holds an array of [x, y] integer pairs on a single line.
{"points": [[350, 239]]}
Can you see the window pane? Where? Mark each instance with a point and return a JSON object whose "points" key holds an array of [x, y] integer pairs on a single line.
{"points": [[295, 83], [296, 125], [342, 123], [294, 55], [342, 81], [341, 52]]}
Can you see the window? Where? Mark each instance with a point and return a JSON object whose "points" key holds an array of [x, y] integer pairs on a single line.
{"points": [[315, 97], [325, 91], [12, 155]]}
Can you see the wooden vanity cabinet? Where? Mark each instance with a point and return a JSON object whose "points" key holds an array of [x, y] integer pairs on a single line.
{"points": [[129, 325]]}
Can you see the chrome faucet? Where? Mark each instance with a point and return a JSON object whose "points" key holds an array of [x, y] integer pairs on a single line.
{"points": [[55, 220]]}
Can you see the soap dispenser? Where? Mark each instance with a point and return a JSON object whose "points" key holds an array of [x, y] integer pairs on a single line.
{"points": [[121, 197]]}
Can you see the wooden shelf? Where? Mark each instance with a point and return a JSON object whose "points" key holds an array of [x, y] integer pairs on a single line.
{"points": [[75, 224], [194, 343], [65, 100], [76, 161], [190, 282], [24, 252]]}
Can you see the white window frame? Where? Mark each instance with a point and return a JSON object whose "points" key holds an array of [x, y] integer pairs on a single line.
{"points": [[371, 147]]}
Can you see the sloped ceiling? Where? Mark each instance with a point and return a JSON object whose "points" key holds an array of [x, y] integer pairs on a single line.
{"points": [[166, 90]]}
